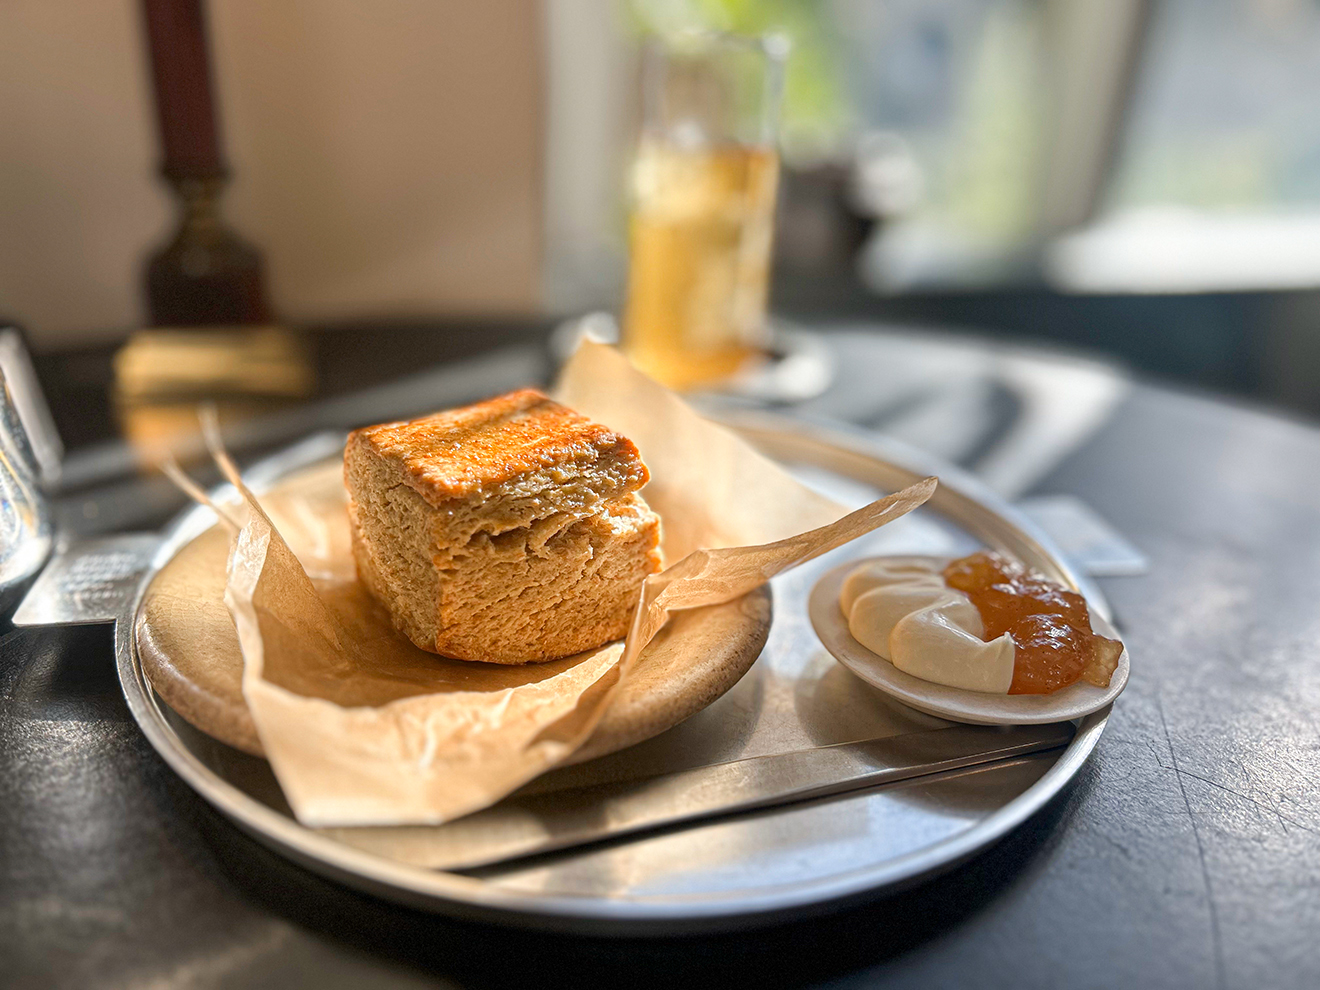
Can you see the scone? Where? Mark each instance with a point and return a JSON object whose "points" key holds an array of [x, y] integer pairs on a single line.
{"points": [[509, 531]]}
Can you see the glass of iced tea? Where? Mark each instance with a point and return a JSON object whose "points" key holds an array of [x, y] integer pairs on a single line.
{"points": [[703, 204]]}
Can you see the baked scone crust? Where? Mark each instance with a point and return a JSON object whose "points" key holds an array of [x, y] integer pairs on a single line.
{"points": [[468, 451]]}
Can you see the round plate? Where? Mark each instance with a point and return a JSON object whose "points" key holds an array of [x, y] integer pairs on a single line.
{"points": [[729, 873], [977, 707], [188, 647]]}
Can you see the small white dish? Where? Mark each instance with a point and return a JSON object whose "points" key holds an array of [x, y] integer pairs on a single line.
{"points": [[956, 704]]}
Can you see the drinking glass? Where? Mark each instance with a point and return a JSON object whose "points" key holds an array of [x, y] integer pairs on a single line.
{"points": [[25, 529], [703, 204]]}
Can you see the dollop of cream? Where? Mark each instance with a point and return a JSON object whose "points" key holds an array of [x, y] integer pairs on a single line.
{"points": [[901, 609]]}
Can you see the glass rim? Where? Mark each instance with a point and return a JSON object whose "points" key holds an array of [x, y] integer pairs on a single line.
{"points": [[774, 45], [664, 52]]}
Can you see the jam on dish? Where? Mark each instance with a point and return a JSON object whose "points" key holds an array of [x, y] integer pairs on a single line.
{"points": [[1050, 625]]}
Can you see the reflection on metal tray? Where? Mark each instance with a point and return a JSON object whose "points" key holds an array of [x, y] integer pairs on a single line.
{"points": [[734, 871]]}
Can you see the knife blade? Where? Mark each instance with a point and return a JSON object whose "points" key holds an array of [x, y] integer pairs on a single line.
{"points": [[551, 821]]}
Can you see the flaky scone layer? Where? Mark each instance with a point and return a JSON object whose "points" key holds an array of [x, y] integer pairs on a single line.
{"points": [[550, 590]]}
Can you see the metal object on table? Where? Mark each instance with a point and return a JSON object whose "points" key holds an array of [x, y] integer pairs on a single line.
{"points": [[89, 581], [736, 871], [552, 821], [1090, 543]]}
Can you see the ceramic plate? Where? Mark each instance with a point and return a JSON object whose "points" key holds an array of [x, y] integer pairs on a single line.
{"points": [[957, 704]]}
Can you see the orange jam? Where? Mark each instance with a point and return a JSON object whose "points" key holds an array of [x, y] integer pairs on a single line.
{"points": [[1050, 625]]}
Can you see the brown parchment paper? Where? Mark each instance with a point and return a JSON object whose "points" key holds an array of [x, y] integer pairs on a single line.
{"points": [[315, 658]]}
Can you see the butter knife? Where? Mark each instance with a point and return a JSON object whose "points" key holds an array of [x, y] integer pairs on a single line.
{"points": [[550, 821]]}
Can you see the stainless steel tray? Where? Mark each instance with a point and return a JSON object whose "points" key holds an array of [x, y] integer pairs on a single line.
{"points": [[733, 872]]}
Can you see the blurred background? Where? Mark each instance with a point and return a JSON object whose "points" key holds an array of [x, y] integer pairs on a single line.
{"points": [[1137, 180]]}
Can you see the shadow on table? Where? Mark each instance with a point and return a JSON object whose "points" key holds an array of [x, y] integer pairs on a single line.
{"points": [[845, 940]]}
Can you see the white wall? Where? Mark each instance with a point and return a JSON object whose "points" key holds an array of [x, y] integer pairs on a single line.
{"points": [[387, 156], [592, 108]]}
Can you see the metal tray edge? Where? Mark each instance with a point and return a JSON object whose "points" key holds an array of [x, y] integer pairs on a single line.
{"points": [[474, 899]]}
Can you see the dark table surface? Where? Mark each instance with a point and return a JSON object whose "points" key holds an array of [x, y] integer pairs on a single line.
{"points": [[1186, 854]]}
